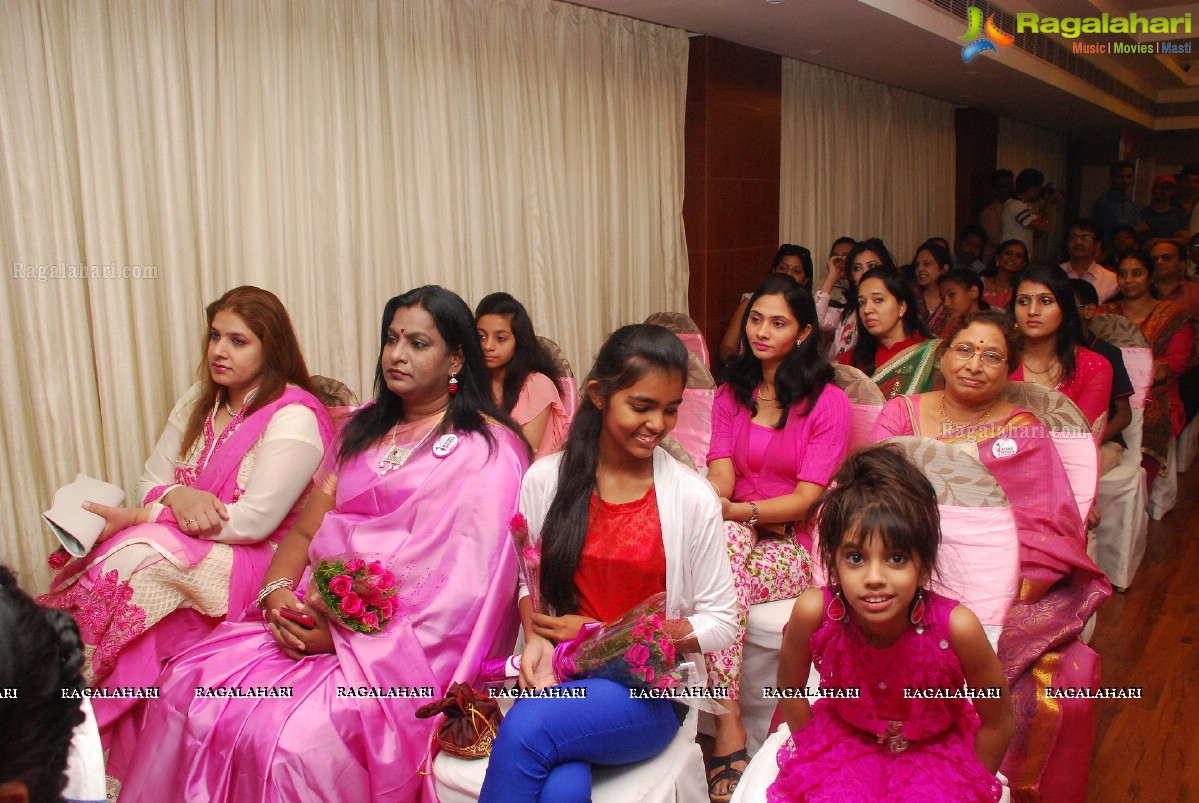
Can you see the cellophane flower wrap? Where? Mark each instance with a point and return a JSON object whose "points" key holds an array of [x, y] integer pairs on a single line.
{"points": [[635, 650], [528, 557], [361, 594]]}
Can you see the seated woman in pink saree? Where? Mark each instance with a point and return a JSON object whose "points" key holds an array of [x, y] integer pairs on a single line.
{"points": [[1061, 587], [393, 491], [222, 486]]}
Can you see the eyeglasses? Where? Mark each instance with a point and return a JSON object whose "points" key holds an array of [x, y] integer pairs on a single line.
{"points": [[965, 352], [1086, 238]]}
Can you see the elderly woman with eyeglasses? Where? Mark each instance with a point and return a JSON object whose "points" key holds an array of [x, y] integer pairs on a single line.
{"points": [[1060, 586]]}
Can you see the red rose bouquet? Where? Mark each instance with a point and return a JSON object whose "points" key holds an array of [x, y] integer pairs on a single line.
{"points": [[359, 594]]}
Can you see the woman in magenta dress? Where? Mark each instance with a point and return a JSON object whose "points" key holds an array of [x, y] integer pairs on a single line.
{"points": [[1053, 355], [931, 262], [779, 429], [225, 481], [522, 373], [391, 491], [1060, 588], [877, 631]]}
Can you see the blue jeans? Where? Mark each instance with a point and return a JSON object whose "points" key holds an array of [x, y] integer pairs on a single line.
{"points": [[546, 745]]}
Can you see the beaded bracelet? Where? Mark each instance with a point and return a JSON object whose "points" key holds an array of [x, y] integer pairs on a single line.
{"points": [[272, 587], [753, 510]]}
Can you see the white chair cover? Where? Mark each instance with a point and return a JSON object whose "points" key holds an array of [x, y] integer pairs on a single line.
{"points": [[1165, 487], [1124, 527], [85, 762], [673, 776], [1188, 445]]}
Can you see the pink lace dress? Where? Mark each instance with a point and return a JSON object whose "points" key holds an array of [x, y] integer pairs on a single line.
{"points": [[882, 746]]}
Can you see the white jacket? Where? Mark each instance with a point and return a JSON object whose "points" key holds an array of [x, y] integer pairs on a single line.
{"points": [[699, 583]]}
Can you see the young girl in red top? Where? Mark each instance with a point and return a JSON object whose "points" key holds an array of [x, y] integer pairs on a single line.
{"points": [[877, 630], [618, 520]]}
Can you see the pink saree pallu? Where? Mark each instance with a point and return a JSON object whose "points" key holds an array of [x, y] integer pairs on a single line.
{"points": [[1060, 588], [238, 720], [151, 591]]}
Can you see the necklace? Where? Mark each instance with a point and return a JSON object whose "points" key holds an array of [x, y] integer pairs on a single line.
{"points": [[397, 456], [763, 397], [1050, 369], [955, 426]]}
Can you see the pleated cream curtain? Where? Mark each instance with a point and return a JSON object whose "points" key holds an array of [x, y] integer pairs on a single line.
{"points": [[335, 153], [1021, 145], [862, 159]]}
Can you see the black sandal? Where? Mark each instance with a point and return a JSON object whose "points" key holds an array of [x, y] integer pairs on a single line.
{"points": [[727, 773]]}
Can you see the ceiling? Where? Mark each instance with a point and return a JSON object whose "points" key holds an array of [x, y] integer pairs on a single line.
{"points": [[916, 45]]}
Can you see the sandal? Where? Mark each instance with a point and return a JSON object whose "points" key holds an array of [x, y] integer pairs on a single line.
{"points": [[726, 773]]}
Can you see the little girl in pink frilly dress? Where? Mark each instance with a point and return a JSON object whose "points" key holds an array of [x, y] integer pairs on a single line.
{"points": [[907, 653]]}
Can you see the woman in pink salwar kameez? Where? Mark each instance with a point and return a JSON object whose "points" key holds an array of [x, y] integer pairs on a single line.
{"points": [[424, 480], [1060, 586], [224, 483]]}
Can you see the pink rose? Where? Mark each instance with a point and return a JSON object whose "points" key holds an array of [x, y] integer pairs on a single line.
{"points": [[646, 672], [667, 681], [58, 559], [387, 608], [637, 655], [656, 621], [341, 585], [373, 596], [667, 650], [375, 569], [384, 582], [354, 566], [519, 522], [371, 620], [351, 604]]}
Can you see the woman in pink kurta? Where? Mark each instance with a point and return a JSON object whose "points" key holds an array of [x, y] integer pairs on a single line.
{"points": [[522, 372], [225, 481], [779, 429], [1060, 588], [326, 713]]}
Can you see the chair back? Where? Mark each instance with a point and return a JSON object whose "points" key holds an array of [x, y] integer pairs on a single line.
{"points": [[978, 562], [979, 559], [333, 393], [676, 450], [688, 332], [1118, 330], [865, 401], [567, 383], [1071, 434], [694, 427]]}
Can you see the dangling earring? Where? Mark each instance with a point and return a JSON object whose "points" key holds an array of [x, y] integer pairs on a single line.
{"points": [[837, 609], [453, 384], [916, 617]]}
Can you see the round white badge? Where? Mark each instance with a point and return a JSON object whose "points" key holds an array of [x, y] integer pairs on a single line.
{"points": [[1004, 447], [445, 444]]}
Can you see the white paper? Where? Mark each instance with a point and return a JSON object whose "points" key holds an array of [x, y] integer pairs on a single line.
{"points": [[77, 529]]}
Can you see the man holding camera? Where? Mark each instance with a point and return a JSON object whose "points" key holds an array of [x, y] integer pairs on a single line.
{"points": [[1030, 212]]}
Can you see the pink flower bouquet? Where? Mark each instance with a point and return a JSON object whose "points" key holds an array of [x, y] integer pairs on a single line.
{"points": [[360, 595], [635, 650]]}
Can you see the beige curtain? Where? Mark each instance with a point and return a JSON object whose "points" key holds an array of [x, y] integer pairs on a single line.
{"points": [[336, 153], [1020, 146], [862, 159]]}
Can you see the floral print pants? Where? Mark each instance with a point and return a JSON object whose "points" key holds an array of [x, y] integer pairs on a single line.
{"points": [[764, 569]]}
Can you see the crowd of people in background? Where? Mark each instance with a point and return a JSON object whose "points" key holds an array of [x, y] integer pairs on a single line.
{"points": [[210, 580]]}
